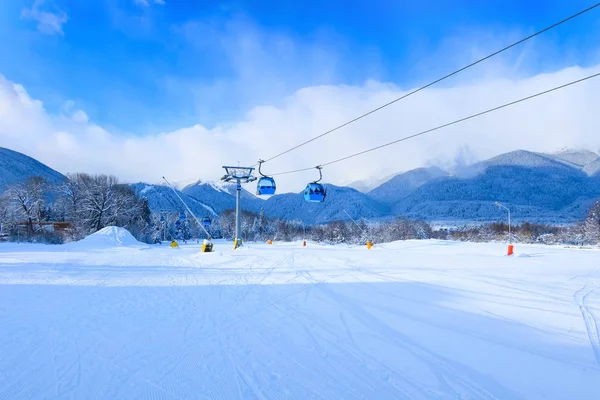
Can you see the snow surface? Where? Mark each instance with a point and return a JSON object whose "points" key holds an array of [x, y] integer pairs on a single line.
{"points": [[414, 319]]}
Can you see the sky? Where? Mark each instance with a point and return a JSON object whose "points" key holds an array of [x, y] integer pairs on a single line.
{"points": [[146, 88]]}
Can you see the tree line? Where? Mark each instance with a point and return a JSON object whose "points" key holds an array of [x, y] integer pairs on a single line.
{"points": [[89, 203]]}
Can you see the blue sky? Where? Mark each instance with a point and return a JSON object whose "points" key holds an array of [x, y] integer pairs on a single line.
{"points": [[141, 67], [148, 88]]}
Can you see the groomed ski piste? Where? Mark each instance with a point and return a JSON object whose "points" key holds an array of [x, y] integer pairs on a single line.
{"points": [[112, 318]]}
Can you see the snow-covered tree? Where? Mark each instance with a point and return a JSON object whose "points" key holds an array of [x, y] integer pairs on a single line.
{"points": [[92, 202], [592, 224], [26, 202]]}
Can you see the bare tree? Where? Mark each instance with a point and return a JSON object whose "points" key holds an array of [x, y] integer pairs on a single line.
{"points": [[26, 201], [71, 197], [97, 202], [92, 202], [592, 224]]}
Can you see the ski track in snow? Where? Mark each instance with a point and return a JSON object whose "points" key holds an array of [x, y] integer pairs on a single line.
{"points": [[406, 320], [591, 324]]}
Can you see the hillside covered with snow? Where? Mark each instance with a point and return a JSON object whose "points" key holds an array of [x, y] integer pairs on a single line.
{"points": [[162, 199], [339, 203], [16, 167], [537, 187]]}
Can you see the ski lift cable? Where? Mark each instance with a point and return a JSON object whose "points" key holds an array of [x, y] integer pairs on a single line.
{"points": [[355, 223], [436, 81], [186, 206], [506, 105]]}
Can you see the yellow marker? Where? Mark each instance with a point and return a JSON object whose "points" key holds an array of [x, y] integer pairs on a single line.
{"points": [[206, 246], [174, 244]]}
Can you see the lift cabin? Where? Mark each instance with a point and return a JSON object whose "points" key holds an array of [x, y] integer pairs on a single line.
{"points": [[266, 184], [315, 192], [206, 221]]}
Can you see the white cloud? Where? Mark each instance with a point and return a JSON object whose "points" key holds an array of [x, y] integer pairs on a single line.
{"points": [[69, 142], [48, 22], [147, 3], [257, 66]]}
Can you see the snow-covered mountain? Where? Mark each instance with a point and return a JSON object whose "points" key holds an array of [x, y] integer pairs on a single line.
{"points": [[404, 184], [161, 198], [16, 167], [221, 196], [292, 206], [577, 158], [366, 185], [537, 187], [593, 168], [226, 187], [518, 158]]}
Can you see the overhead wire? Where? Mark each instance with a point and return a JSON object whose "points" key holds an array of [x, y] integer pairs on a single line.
{"points": [[445, 125], [435, 82], [208, 235]]}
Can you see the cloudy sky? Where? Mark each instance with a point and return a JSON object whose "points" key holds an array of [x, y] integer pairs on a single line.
{"points": [[146, 88]]}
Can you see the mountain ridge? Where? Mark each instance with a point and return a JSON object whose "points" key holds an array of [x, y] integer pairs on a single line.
{"points": [[15, 167], [537, 186]]}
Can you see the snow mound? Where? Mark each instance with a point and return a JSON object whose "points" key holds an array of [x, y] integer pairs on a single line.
{"points": [[110, 236]]}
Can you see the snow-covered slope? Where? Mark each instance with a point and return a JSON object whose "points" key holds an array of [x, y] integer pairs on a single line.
{"points": [[340, 200], [577, 158], [545, 191], [162, 198], [402, 185], [16, 167], [518, 158], [417, 320], [537, 187], [593, 168], [366, 185], [221, 196], [201, 187]]}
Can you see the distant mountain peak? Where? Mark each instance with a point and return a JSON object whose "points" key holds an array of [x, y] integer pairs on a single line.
{"points": [[578, 158], [219, 186], [521, 158], [403, 184], [161, 199], [368, 184]]}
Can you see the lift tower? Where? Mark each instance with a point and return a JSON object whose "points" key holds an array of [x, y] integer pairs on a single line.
{"points": [[239, 175]]}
